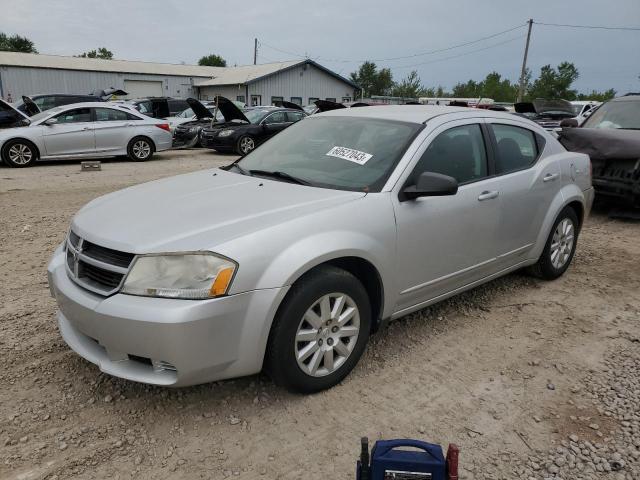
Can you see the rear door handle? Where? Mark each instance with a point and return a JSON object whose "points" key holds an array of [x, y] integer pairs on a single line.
{"points": [[550, 177], [487, 195]]}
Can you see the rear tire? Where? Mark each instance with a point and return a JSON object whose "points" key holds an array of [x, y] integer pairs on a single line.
{"points": [[19, 153], [320, 331], [140, 149], [560, 247]]}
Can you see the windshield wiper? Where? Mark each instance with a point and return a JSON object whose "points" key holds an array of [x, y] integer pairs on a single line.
{"points": [[237, 167], [279, 175]]}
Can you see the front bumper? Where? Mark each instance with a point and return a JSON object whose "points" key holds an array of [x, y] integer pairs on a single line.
{"points": [[618, 179], [222, 144], [165, 341]]}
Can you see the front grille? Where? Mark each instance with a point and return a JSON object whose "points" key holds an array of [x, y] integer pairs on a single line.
{"points": [[94, 267]]}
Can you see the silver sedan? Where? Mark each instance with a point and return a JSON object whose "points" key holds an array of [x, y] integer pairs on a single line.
{"points": [[82, 130], [291, 257]]}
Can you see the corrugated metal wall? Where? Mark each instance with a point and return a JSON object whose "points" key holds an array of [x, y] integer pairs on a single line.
{"points": [[29, 81], [305, 81]]}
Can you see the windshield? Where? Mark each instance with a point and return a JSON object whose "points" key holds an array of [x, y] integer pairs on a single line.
{"points": [[188, 113], [624, 114], [254, 115], [345, 153]]}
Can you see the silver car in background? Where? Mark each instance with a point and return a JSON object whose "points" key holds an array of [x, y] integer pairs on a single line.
{"points": [[86, 130], [290, 257]]}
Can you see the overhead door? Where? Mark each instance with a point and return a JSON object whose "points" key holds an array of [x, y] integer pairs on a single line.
{"points": [[143, 88]]}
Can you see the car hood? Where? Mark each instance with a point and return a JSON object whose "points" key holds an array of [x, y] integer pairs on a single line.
{"points": [[285, 104], [30, 106], [328, 105], [199, 110], [197, 211], [7, 107], [541, 106], [229, 110], [602, 143]]}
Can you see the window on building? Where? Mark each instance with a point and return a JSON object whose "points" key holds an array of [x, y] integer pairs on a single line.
{"points": [[256, 100], [240, 98], [78, 115], [346, 99], [312, 100], [110, 115], [296, 100], [516, 148], [276, 99], [331, 99], [458, 152]]}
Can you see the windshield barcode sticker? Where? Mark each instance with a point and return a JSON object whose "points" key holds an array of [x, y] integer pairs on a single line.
{"points": [[349, 154]]}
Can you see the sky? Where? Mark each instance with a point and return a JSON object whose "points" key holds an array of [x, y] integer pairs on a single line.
{"points": [[340, 34]]}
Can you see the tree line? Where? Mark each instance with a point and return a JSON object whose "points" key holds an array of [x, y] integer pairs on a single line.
{"points": [[551, 83]]}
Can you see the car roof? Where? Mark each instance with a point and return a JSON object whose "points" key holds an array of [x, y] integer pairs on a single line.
{"points": [[412, 113], [627, 98], [92, 105]]}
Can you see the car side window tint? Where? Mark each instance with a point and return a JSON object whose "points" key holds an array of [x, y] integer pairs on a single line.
{"points": [[277, 117], [458, 152], [110, 115], [295, 116], [78, 115], [516, 150]]}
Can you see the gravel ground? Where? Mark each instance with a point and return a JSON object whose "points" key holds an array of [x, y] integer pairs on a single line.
{"points": [[532, 379]]}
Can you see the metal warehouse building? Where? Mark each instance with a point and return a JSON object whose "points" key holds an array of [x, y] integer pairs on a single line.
{"points": [[299, 81]]}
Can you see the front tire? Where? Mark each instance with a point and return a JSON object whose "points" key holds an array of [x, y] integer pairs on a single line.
{"points": [[245, 144], [560, 247], [320, 331], [19, 153], [140, 149]]}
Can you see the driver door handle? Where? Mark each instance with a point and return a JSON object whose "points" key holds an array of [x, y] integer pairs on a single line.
{"points": [[550, 177], [488, 195]]}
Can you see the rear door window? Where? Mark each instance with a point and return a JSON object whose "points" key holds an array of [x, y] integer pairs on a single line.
{"points": [[295, 116], [277, 117], [516, 148], [110, 115]]}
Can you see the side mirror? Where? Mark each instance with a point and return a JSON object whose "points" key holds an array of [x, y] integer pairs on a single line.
{"points": [[569, 123], [431, 184], [51, 121]]}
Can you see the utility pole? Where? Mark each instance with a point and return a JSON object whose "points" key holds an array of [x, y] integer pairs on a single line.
{"points": [[255, 49], [524, 62]]}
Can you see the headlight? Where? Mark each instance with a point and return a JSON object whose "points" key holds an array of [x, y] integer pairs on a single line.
{"points": [[191, 276], [194, 129], [225, 133]]}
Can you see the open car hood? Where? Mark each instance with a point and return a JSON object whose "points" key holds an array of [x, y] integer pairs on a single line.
{"points": [[109, 92], [229, 110], [285, 104], [200, 111], [328, 105], [30, 107], [602, 143], [7, 107], [541, 106]]}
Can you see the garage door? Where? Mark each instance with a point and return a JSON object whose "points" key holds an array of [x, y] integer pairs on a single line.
{"points": [[143, 88]]}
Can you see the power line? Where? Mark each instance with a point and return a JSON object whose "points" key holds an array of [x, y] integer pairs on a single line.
{"points": [[598, 27], [419, 54]]}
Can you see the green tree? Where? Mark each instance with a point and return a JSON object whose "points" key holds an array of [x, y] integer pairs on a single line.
{"points": [[102, 53], [16, 43], [372, 81], [598, 96], [409, 87], [212, 60], [497, 88], [555, 82]]}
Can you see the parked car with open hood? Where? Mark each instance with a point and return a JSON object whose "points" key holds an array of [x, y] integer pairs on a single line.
{"points": [[611, 137], [187, 132], [244, 130], [547, 113], [289, 258], [11, 117], [83, 130]]}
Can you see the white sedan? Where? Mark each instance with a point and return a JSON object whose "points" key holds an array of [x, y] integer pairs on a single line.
{"points": [[82, 130]]}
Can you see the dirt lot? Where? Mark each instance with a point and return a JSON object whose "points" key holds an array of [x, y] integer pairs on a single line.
{"points": [[508, 371]]}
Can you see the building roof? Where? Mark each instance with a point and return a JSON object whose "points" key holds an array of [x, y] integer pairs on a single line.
{"points": [[98, 65], [247, 74], [211, 76]]}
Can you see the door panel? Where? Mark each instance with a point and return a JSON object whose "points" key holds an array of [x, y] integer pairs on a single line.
{"points": [[73, 135], [447, 242], [112, 129]]}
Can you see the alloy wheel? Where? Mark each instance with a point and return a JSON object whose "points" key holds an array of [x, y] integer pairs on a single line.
{"points": [[247, 144], [562, 243], [327, 334], [141, 149], [20, 154]]}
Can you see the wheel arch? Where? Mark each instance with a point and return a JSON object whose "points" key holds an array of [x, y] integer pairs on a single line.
{"points": [[146, 137], [24, 139]]}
